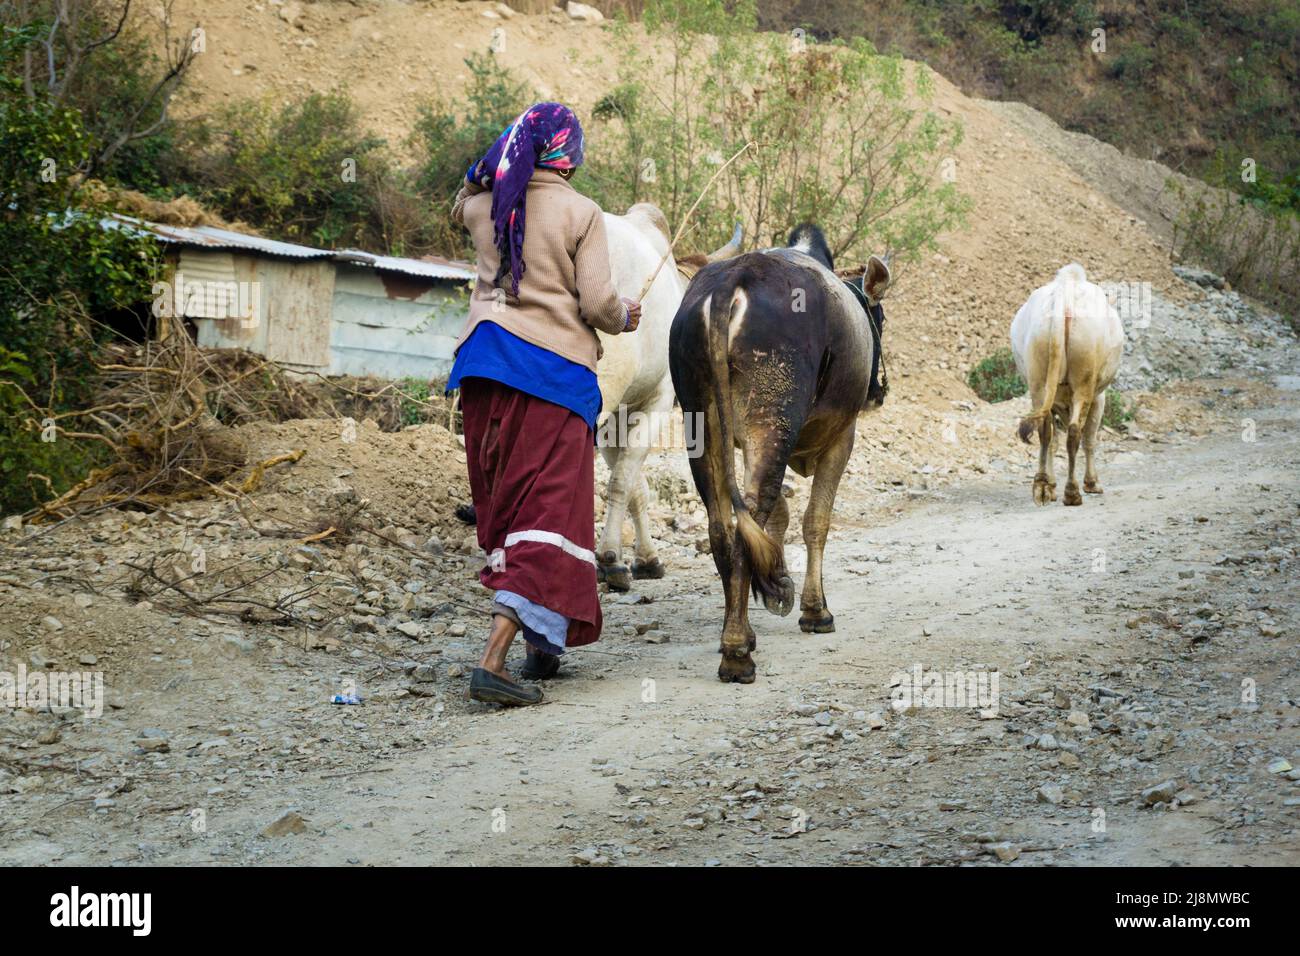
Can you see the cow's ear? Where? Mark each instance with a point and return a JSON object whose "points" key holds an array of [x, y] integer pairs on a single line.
{"points": [[876, 280]]}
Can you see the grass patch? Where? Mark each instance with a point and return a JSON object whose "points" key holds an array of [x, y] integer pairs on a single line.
{"points": [[995, 378]]}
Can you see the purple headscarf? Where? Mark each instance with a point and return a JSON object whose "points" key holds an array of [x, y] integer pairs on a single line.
{"points": [[545, 134]]}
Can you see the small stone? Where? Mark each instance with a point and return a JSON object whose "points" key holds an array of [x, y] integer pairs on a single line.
{"points": [[1160, 793], [48, 737], [287, 825], [88, 659], [589, 857], [583, 13], [1078, 718], [1006, 852], [423, 673], [409, 628], [1049, 793], [51, 623], [1046, 742], [158, 745], [1280, 765]]}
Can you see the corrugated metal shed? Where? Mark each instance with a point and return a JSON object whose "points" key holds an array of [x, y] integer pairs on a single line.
{"points": [[344, 312]]}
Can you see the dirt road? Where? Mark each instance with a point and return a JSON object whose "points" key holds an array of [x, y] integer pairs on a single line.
{"points": [[1149, 636]]}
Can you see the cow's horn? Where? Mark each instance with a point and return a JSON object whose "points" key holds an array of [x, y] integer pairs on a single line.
{"points": [[731, 249]]}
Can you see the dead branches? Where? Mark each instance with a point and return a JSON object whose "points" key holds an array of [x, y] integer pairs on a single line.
{"points": [[153, 412], [161, 582]]}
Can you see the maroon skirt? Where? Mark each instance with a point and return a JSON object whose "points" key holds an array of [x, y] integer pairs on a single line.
{"points": [[532, 475]]}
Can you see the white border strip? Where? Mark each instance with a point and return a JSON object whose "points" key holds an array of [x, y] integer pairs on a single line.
{"points": [[558, 540]]}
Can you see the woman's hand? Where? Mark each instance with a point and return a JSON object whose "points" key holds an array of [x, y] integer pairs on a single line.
{"points": [[633, 314]]}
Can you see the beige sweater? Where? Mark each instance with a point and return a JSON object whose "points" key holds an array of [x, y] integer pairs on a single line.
{"points": [[566, 290]]}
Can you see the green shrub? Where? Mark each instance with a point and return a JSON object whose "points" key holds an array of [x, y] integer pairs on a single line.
{"points": [[1253, 242], [446, 142], [995, 378], [304, 172], [59, 271], [1134, 63], [414, 401], [1119, 409], [835, 138]]}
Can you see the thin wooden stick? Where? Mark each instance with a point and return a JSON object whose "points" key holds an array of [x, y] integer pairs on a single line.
{"points": [[685, 219]]}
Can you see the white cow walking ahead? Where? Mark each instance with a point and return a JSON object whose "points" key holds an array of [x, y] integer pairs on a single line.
{"points": [[1067, 340], [635, 388]]}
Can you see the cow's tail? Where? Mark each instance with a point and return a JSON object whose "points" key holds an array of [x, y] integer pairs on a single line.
{"points": [[1067, 280], [763, 554]]}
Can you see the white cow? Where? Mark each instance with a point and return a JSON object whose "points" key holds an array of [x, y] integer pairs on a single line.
{"points": [[1067, 340], [635, 388]]}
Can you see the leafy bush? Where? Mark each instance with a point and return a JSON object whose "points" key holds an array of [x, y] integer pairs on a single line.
{"points": [[1119, 409], [414, 401], [834, 139], [304, 172], [119, 80], [995, 378], [446, 142], [1134, 63], [1253, 243], [60, 268]]}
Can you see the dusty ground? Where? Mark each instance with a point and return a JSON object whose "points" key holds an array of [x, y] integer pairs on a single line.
{"points": [[1123, 634]]}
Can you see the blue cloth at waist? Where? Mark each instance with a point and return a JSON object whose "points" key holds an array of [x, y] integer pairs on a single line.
{"points": [[492, 352]]}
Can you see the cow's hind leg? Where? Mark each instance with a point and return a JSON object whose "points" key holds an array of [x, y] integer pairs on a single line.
{"points": [[1090, 429], [1073, 435], [1045, 480], [737, 639], [782, 603], [657, 410], [815, 616], [647, 563], [609, 554]]}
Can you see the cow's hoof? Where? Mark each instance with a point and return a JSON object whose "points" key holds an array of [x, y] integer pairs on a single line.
{"points": [[818, 625], [1044, 491], [617, 576], [1091, 488], [781, 603], [652, 569], [1072, 496], [736, 670]]}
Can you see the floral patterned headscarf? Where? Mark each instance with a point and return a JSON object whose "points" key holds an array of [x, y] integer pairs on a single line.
{"points": [[547, 135]]}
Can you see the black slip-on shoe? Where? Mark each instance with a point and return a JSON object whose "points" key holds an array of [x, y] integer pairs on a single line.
{"points": [[539, 665], [492, 689]]}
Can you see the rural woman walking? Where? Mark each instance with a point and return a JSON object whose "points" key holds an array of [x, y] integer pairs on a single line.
{"points": [[526, 369]]}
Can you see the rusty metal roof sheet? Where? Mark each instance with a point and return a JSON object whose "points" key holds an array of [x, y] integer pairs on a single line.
{"points": [[210, 237], [431, 267]]}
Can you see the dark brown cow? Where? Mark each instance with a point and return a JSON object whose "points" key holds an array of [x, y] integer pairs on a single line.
{"points": [[778, 356]]}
